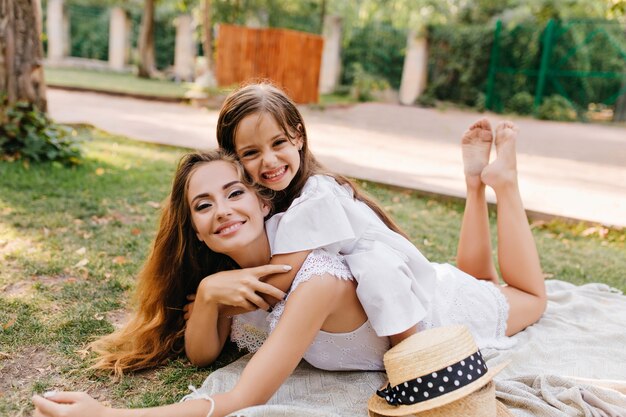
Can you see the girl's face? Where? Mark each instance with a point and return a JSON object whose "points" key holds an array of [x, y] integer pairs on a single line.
{"points": [[269, 156], [227, 216]]}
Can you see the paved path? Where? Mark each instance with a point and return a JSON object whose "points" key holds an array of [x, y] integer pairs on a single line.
{"points": [[566, 169]]}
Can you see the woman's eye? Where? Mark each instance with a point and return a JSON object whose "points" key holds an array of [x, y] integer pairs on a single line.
{"points": [[235, 193], [203, 206]]}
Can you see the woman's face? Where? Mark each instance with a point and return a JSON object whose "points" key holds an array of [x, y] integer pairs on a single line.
{"points": [[227, 216], [270, 157]]}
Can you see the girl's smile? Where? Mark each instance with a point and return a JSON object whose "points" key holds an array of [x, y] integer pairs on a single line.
{"points": [[269, 155]]}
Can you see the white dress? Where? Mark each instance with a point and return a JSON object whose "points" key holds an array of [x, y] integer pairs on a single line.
{"points": [[459, 299], [396, 282]]}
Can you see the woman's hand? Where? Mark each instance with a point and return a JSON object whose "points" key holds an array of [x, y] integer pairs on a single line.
{"points": [[68, 404], [239, 288]]}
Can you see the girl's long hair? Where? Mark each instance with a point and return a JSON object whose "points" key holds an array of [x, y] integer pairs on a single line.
{"points": [[176, 265], [266, 98]]}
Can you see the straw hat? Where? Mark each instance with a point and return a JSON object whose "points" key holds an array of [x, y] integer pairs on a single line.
{"points": [[438, 372]]}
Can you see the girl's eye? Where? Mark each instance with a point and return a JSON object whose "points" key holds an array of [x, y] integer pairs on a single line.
{"points": [[235, 193], [280, 141], [248, 154]]}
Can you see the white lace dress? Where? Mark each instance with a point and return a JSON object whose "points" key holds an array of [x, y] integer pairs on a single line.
{"points": [[459, 299]]}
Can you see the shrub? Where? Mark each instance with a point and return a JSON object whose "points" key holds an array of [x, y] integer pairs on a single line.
{"points": [[521, 103], [365, 84], [556, 108], [379, 49], [27, 133], [458, 62]]}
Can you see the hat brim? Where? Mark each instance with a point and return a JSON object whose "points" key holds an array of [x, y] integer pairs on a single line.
{"points": [[379, 406]]}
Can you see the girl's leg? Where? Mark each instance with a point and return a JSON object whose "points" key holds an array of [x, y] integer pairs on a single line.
{"points": [[517, 253], [474, 251]]}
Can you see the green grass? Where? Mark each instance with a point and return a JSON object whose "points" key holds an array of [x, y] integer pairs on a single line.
{"points": [[73, 239], [131, 84], [113, 81]]}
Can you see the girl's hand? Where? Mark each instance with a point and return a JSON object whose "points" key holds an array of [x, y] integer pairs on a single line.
{"points": [[240, 287], [189, 307], [68, 404]]}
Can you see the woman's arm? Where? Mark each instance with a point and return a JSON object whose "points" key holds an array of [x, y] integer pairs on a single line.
{"points": [[305, 313]]}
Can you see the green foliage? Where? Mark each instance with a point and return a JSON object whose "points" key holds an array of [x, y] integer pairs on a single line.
{"points": [[459, 62], [379, 48], [89, 31], [27, 133], [365, 85], [521, 103], [556, 108]]}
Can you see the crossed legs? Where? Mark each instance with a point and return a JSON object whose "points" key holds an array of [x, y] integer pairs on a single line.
{"points": [[517, 254]]}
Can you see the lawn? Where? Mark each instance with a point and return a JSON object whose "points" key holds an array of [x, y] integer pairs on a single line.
{"points": [[127, 83], [114, 82], [72, 241]]}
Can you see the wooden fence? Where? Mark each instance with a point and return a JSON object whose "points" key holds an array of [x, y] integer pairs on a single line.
{"points": [[288, 58]]}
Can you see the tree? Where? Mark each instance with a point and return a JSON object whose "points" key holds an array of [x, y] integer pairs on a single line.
{"points": [[207, 38], [147, 63], [21, 52]]}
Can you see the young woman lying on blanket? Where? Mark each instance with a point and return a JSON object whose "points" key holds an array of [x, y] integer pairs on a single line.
{"points": [[214, 221]]}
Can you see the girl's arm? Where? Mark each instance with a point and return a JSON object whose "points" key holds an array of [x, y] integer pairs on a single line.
{"points": [[304, 315], [208, 326], [283, 280]]}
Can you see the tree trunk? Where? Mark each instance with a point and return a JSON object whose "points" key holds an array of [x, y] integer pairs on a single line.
{"points": [[322, 16], [207, 39], [21, 52], [147, 65], [619, 115]]}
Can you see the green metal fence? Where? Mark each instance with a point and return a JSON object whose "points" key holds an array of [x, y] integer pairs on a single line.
{"points": [[581, 60]]}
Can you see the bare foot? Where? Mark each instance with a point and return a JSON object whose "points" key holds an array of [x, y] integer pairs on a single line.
{"points": [[476, 146], [503, 170]]}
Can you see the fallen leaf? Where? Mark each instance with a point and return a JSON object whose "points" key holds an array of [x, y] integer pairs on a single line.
{"points": [[8, 324], [108, 275], [98, 316], [81, 251], [81, 263], [120, 260], [100, 171], [537, 224], [135, 232], [46, 232], [154, 204], [589, 231], [396, 199], [4, 355]]}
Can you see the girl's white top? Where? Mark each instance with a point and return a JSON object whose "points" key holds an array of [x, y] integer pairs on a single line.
{"points": [[396, 282], [358, 350], [459, 299]]}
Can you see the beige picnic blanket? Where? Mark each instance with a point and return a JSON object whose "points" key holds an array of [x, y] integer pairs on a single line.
{"points": [[581, 335]]}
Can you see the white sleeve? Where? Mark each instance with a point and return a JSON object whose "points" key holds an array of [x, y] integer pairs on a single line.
{"points": [[316, 219]]}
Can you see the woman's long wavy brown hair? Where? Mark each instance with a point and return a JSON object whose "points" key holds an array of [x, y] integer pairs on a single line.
{"points": [[176, 265], [266, 98]]}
